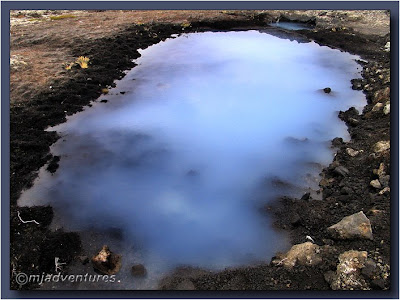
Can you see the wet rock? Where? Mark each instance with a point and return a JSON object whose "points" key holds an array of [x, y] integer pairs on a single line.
{"points": [[341, 171], [386, 109], [138, 270], [381, 146], [185, 285], [375, 184], [351, 152], [306, 196], [306, 254], [106, 262], [348, 271], [327, 90], [352, 227], [104, 101]]}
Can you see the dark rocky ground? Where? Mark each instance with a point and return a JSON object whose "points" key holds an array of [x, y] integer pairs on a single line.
{"points": [[33, 247]]}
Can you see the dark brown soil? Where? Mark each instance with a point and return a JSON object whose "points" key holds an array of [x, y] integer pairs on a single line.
{"points": [[33, 247]]}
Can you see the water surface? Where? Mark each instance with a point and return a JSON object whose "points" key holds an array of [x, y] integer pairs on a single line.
{"points": [[193, 142]]}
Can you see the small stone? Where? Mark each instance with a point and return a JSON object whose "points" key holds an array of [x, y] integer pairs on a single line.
{"points": [[381, 146], [352, 152], [352, 227], [138, 270], [106, 262], [382, 95], [369, 269], [387, 47], [342, 171], [327, 90], [375, 184], [384, 180], [386, 109], [104, 101], [328, 242], [353, 122], [384, 191], [380, 171], [378, 284], [377, 107]]}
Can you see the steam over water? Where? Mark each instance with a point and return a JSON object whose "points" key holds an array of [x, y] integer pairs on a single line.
{"points": [[210, 128]]}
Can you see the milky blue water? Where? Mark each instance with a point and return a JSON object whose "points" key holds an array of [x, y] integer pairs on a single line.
{"points": [[183, 160], [292, 25]]}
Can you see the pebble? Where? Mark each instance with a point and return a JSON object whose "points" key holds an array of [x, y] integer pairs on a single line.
{"points": [[375, 183]]}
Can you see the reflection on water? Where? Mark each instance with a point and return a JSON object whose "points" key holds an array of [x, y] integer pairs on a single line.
{"points": [[181, 161]]}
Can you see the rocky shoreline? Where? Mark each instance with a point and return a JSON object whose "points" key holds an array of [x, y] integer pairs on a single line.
{"points": [[356, 182]]}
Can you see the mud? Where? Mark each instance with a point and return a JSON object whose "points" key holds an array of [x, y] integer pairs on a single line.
{"points": [[111, 54]]}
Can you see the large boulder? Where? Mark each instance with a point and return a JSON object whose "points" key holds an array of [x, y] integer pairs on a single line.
{"points": [[106, 262], [348, 272], [356, 226], [306, 254]]}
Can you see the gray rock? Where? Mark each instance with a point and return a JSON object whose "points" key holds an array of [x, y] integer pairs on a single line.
{"points": [[384, 180], [340, 170], [356, 226], [369, 269], [138, 270], [106, 262], [375, 184]]}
